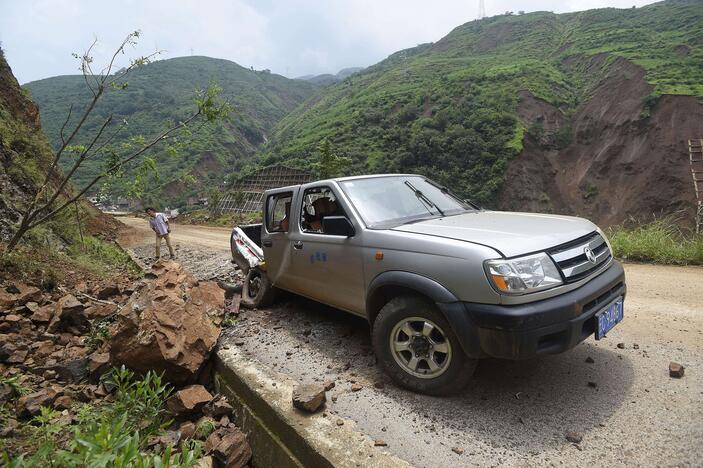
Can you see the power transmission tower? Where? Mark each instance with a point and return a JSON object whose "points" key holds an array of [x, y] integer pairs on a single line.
{"points": [[481, 9]]}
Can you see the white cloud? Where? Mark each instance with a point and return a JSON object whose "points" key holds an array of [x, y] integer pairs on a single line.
{"points": [[292, 37]]}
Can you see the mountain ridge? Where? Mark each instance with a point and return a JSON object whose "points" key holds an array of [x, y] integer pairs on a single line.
{"points": [[450, 109], [162, 91]]}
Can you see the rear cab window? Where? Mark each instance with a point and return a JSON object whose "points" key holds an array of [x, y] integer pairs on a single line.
{"points": [[278, 208]]}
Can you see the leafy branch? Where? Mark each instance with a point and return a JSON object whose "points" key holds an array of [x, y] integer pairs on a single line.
{"points": [[45, 205]]}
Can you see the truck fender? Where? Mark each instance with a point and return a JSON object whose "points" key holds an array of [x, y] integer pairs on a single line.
{"points": [[384, 286]]}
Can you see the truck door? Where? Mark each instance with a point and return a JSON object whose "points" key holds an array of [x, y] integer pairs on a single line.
{"points": [[275, 233], [327, 268]]}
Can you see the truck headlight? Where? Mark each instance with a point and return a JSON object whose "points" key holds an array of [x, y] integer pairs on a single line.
{"points": [[523, 275]]}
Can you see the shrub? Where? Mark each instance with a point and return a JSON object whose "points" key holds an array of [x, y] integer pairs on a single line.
{"points": [[661, 241], [113, 434], [99, 334]]}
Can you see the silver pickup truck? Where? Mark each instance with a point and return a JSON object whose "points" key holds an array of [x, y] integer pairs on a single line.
{"points": [[442, 282]]}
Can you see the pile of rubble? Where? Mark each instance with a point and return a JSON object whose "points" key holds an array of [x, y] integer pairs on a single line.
{"points": [[168, 322]]}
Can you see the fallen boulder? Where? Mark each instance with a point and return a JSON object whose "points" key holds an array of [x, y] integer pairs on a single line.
{"points": [[75, 370], [188, 400], [170, 325], [69, 313], [98, 363], [229, 446], [43, 314], [309, 397], [30, 405], [108, 291], [19, 294]]}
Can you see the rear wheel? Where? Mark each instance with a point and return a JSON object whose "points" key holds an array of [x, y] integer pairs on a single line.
{"points": [[257, 290], [418, 348]]}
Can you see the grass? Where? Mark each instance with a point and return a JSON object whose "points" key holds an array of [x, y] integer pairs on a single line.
{"points": [[205, 218], [101, 256], [661, 241], [39, 261]]}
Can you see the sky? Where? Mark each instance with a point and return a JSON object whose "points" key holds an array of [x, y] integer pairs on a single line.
{"points": [[289, 37]]}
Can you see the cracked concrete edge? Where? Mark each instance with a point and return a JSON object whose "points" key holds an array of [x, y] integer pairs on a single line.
{"points": [[281, 435]]}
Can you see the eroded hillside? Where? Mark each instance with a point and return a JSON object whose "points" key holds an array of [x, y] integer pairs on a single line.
{"points": [[626, 155]]}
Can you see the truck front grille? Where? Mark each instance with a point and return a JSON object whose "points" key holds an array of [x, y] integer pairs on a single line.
{"points": [[572, 260]]}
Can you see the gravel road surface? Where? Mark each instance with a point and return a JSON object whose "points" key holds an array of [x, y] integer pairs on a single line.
{"points": [[620, 400]]}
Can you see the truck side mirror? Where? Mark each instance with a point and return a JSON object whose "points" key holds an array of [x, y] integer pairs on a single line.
{"points": [[337, 226]]}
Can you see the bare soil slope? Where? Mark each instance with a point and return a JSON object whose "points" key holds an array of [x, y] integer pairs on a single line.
{"points": [[623, 160]]}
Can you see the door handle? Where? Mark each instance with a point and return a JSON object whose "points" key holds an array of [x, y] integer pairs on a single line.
{"points": [[267, 243], [298, 245]]}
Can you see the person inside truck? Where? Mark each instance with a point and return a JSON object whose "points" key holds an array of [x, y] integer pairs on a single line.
{"points": [[322, 207], [285, 222]]}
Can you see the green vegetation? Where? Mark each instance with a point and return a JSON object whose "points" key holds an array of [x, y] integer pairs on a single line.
{"points": [[99, 334], [100, 256], [14, 384], [206, 217], [329, 165], [161, 93], [449, 109], [661, 241], [113, 433]]}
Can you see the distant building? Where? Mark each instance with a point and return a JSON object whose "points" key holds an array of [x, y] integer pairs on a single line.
{"points": [[248, 195]]}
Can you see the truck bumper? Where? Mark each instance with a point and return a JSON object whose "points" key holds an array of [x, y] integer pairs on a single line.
{"points": [[548, 326]]}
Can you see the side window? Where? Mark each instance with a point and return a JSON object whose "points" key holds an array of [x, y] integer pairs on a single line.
{"points": [[278, 212], [318, 202]]}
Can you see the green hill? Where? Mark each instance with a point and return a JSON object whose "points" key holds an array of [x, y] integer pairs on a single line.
{"points": [[454, 109], [162, 91]]}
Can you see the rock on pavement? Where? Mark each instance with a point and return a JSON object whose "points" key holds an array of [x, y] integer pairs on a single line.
{"points": [[309, 397], [676, 370], [170, 324]]}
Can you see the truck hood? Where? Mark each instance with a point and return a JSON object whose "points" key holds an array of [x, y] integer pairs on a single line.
{"points": [[511, 234]]}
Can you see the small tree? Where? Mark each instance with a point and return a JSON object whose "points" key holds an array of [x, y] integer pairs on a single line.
{"points": [[53, 195], [214, 197], [329, 164]]}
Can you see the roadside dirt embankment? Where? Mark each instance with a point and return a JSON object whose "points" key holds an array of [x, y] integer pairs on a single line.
{"points": [[624, 158]]}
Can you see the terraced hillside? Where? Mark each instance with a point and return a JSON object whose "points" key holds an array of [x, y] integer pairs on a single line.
{"points": [[581, 113], [162, 92]]}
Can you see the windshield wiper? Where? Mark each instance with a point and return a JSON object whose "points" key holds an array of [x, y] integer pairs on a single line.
{"points": [[424, 198]]}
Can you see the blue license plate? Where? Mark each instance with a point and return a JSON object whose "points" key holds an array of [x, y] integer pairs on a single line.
{"points": [[609, 317]]}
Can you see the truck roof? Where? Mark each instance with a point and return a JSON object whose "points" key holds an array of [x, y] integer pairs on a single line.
{"points": [[343, 179]]}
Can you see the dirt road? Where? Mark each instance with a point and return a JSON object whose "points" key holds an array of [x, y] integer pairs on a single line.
{"points": [[625, 405], [212, 238]]}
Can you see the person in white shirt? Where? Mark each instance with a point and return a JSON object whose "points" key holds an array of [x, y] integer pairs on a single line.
{"points": [[159, 224]]}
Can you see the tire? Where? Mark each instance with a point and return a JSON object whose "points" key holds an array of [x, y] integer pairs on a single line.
{"points": [[257, 290], [441, 367]]}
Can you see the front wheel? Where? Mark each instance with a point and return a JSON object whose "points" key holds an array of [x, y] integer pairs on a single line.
{"points": [[257, 290], [418, 348]]}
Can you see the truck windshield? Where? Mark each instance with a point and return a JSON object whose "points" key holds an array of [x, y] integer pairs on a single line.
{"points": [[396, 200]]}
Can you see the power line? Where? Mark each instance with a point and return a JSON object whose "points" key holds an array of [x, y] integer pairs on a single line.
{"points": [[481, 9]]}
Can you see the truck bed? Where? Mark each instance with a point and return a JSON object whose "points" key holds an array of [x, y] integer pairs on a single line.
{"points": [[253, 232], [245, 244]]}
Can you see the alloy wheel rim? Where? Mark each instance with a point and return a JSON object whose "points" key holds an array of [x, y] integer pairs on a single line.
{"points": [[420, 347]]}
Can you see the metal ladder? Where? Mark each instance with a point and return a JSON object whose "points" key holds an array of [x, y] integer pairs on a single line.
{"points": [[695, 156]]}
